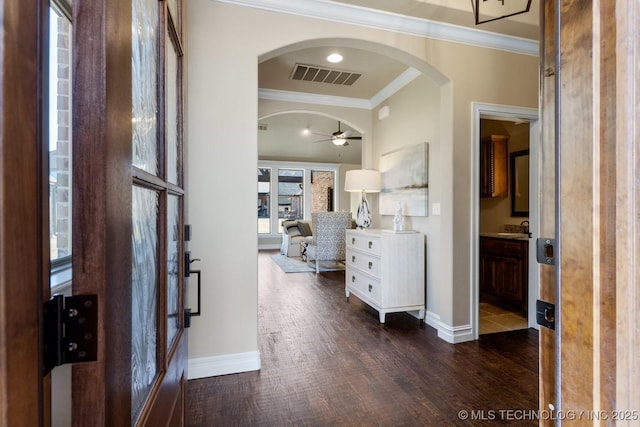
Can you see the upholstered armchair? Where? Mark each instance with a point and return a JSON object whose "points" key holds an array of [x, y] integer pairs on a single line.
{"points": [[328, 241]]}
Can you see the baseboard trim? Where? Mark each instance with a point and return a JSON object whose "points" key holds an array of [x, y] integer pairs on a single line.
{"points": [[451, 334], [268, 246], [213, 366]]}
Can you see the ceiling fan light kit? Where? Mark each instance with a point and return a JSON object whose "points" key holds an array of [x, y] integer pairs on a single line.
{"points": [[339, 137]]}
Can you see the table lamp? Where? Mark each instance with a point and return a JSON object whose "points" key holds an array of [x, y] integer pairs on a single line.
{"points": [[364, 181]]}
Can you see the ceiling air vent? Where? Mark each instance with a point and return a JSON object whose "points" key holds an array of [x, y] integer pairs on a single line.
{"points": [[313, 73]]}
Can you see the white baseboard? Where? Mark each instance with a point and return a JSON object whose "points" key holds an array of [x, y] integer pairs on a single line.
{"points": [[203, 367], [266, 246], [451, 334]]}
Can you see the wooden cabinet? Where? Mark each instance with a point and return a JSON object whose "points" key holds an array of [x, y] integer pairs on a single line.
{"points": [[493, 166], [504, 271], [386, 270]]}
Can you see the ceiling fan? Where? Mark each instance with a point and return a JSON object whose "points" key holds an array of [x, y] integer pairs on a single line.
{"points": [[339, 137]]}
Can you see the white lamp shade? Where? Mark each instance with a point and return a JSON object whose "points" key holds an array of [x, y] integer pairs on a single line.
{"points": [[362, 180]]}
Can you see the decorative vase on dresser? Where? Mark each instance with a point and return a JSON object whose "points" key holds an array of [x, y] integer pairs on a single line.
{"points": [[386, 270]]}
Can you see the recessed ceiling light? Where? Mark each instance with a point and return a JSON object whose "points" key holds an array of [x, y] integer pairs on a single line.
{"points": [[334, 58]]}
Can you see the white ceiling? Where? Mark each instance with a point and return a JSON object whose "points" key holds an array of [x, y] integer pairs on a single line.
{"points": [[285, 140], [378, 71]]}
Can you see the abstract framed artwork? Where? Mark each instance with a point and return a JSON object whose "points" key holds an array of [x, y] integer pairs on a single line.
{"points": [[405, 181]]}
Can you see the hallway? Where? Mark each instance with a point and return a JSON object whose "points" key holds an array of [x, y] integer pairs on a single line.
{"points": [[326, 361]]}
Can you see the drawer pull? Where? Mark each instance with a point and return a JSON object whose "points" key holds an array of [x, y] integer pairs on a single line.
{"points": [[370, 265], [370, 244], [353, 240], [353, 279], [370, 287], [353, 258]]}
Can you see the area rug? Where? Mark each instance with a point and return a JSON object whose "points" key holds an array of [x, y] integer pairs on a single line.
{"points": [[296, 265]]}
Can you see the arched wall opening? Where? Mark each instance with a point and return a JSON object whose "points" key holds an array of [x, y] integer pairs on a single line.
{"points": [[421, 111]]}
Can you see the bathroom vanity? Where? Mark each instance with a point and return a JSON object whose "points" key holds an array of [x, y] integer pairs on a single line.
{"points": [[504, 268]]}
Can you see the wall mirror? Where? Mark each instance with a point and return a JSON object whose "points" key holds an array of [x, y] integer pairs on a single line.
{"points": [[519, 167]]}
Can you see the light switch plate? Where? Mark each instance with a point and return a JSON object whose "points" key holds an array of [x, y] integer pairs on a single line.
{"points": [[435, 208]]}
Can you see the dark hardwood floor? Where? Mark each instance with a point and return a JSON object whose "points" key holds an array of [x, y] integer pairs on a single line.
{"points": [[329, 362]]}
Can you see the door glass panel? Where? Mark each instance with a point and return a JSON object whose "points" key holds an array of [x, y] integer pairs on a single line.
{"points": [[322, 183], [173, 251], [264, 200], [59, 134], [144, 300], [144, 84], [290, 195], [172, 86]]}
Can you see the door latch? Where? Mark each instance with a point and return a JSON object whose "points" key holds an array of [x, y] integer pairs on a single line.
{"points": [[545, 253], [546, 314], [70, 330]]}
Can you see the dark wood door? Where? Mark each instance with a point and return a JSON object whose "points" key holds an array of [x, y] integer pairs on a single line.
{"points": [[128, 240], [24, 256]]}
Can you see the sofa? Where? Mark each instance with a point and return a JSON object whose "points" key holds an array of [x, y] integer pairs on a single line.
{"points": [[294, 232]]}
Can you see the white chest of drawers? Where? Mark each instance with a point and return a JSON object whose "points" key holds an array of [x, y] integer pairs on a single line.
{"points": [[386, 270]]}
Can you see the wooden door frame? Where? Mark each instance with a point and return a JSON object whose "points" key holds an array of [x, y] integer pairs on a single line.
{"points": [[24, 255], [507, 111], [548, 339], [628, 205]]}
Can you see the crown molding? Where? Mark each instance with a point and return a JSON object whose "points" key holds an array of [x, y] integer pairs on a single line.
{"points": [[312, 98], [372, 18], [398, 83]]}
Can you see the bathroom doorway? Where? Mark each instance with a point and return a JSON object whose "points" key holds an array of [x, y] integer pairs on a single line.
{"points": [[504, 225], [505, 283]]}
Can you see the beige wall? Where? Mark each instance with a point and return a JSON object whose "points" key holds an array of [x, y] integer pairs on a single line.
{"points": [[414, 118], [225, 44]]}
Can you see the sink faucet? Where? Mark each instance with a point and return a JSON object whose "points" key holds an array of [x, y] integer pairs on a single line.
{"points": [[525, 227]]}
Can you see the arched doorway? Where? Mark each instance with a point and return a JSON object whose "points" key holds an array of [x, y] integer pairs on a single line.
{"points": [[416, 106]]}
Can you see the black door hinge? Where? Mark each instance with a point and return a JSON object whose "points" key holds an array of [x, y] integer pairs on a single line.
{"points": [[70, 330], [187, 318]]}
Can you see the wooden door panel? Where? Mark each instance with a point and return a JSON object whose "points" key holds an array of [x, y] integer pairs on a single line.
{"points": [[107, 121], [513, 280], [587, 204], [24, 256], [168, 405], [581, 105], [488, 273]]}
